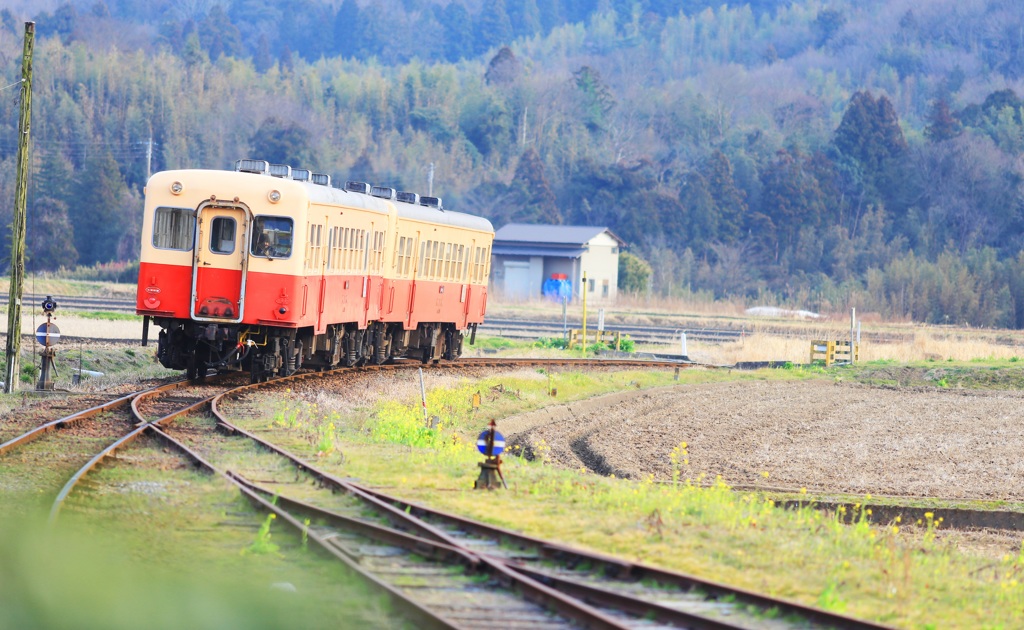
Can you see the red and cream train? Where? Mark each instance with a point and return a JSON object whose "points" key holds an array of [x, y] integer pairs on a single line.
{"points": [[269, 269]]}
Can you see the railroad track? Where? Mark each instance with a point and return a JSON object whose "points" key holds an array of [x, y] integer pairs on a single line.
{"points": [[441, 570], [520, 328]]}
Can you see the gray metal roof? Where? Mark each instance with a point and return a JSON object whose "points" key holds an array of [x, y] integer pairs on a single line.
{"points": [[550, 252], [558, 235]]}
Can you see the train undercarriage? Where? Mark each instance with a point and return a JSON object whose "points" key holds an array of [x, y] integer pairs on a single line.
{"points": [[267, 352]]}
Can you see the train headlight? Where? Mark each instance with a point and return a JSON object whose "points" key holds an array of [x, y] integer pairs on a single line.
{"points": [[274, 196], [176, 188]]}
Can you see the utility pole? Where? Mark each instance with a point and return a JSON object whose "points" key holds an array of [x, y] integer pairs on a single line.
{"points": [[430, 181], [149, 157], [18, 224]]}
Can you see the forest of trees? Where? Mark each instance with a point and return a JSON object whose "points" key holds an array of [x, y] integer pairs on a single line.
{"points": [[813, 154]]}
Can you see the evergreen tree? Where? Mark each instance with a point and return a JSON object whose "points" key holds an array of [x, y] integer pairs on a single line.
{"points": [[261, 56], [700, 220], [348, 30], [533, 201], [550, 15], [49, 236], [283, 143], [525, 18], [95, 214], [942, 125], [729, 200], [870, 133], [791, 199], [219, 37], [362, 170], [634, 274], [492, 28], [596, 98], [504, 68], [458, 31]]}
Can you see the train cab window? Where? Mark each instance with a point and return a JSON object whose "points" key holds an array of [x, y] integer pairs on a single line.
{"points": [[272, 237], [222, 235], [173, 228]]}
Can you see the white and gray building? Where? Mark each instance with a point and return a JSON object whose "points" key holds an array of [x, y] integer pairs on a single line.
{"points": [[526, 256]]}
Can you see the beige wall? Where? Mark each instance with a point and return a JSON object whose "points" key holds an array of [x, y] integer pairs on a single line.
{"points": [[601, 263]]}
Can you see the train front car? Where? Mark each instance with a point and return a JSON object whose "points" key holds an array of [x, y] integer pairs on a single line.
{"points": [[265, 269], [223, 271]]}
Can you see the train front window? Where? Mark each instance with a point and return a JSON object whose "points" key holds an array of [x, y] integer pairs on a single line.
{"points": [[173, 228], [222, 235], [271, 237]]}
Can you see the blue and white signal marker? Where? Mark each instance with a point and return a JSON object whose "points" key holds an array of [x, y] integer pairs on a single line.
{"points": [[499, 443]]}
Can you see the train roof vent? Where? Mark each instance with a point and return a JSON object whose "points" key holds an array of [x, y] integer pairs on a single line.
{"points": [[408, 197], [260, 167], [321, 179], [432, 202], [301, 174], [383, 192], [359, 187], [281, 170]]}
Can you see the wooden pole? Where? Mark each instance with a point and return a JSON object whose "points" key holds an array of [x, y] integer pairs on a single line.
{"points": [[18, 224]]}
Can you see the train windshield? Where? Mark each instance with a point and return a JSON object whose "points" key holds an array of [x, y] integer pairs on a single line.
{"points": [[173, 228], [272, 237]]}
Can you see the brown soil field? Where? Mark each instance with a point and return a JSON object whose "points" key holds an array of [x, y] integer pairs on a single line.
{"points": [[822, 435]]}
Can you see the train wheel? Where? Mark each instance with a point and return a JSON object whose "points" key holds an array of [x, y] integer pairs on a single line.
{"points": [[191, 371]]}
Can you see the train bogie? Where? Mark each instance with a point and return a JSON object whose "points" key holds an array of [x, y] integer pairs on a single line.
{"points": [[245, 270]]}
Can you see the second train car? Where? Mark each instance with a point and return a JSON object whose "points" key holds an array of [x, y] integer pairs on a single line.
{"points": [[269, 269]]}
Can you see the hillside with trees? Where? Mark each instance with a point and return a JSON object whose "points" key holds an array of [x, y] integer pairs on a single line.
{"points": [[812, 154]]}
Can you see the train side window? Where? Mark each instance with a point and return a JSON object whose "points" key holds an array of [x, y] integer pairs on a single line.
{"points": [[408, 257], [365, 239], [173, 228], [487, 265], [222, 235], [419, 268], [448, 261], [401, 257], [272, 237]]}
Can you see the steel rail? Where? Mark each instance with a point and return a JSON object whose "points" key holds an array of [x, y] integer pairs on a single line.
{"points": [[53, 425], [400, 513], [423, 616], [128, 438], [616, 568], [442, 545]]}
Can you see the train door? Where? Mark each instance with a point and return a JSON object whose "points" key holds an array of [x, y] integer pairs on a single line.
{"points": [[218, 278], [418, 269]]}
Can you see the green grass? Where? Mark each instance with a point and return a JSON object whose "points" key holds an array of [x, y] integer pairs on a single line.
{"points": [[708, 529]]}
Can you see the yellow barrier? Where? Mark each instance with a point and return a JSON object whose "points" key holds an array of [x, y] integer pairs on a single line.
{"points": [[595, 336], [832, 351]]}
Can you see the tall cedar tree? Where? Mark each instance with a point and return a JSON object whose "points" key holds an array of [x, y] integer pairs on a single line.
{"points": [[219, 37], [458, 31], [730, 200], [533, 201], [525, 18], [95, 212], [870, 132], [49, 239], [597, 100], [942, 125], [504, 68], [493, 27], [348, 26], [700, 215], [791, 198]]}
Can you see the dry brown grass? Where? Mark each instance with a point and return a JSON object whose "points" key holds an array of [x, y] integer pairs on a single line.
{"points": [[935, 345]]}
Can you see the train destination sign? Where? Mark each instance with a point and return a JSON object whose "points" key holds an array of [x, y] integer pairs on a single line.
{"points": [[48, 334]]}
